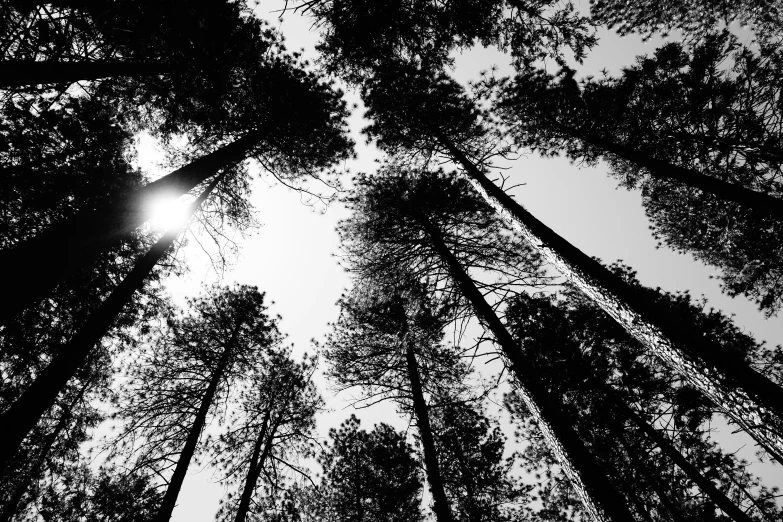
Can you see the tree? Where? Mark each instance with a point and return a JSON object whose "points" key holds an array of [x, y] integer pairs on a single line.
{"points": [[369, 477], [360, 36], [110, 495], [41, 394], [389, 211], [617, 394], [289, 118], [700, 141], [272, 425], [695, 18], [476, 475], [425, 115], [387, 341], [188, 371]]}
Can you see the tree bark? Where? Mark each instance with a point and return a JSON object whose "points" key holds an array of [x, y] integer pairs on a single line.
{"points": [[175, 484], [79, 241], [18, 73], [601, 499], [748, 398], [25, 412], [439, 500], [256, 465]]}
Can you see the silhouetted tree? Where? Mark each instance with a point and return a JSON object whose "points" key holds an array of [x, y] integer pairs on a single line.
{"points": [[476, 474], [390, 211], [109, 495], [41, 394], [700, 141], [618, 394], [272, 425], [424, 115], [185, 375], [387, 342], [369, 477]]}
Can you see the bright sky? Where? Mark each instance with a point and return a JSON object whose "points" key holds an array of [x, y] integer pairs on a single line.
{"points": [[292, 256]]}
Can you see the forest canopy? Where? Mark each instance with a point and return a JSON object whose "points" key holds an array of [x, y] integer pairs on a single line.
{"points": [[449, 349]]}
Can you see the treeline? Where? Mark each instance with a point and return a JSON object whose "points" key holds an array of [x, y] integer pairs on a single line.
{"points": [[611, 386]]}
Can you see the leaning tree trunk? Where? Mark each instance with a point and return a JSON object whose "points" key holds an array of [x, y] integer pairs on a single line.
{"points": [[25, 412], [178, 477], [434, 477], [256, 464], [652, 480], [668, 449], [600, 498], [11, 507], [79, 241], [660, 169], [748, 398], [18, 73]]}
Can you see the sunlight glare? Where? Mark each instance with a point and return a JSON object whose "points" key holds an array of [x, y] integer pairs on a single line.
{"points": [[167, 213]]}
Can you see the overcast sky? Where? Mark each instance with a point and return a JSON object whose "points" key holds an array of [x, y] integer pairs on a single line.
{"points": [[291, 257]]}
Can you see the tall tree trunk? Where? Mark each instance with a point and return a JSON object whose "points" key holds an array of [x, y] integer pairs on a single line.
{"points": [[25, 412], [668, 449], [652, 480], [763, 203], [601, 499], [178, 477], [434, 477], [12, 505], [748, 398], [80, 240], [256, 465], [18, 73]]}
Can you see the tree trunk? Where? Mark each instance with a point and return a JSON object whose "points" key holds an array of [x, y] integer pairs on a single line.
{"points": [[175, 484], [601, 500], [439, 500], [256, 465], [18, 73], [25, 412], [748, 398], [652, 480], [12, 505], [80, 240], [668, 449], [752, 199]]}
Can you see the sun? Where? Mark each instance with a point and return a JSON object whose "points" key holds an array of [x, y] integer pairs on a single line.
{"points": [[166, 213]]}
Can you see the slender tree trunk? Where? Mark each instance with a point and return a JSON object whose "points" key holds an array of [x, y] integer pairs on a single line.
{"points": [[668, 449], [256, 465], [12, 506], [652, 480], [79, 241], [18, 73], [752, 199], [434, 477], [748, 398], [175, 484], [25, 412], [601, 499]]}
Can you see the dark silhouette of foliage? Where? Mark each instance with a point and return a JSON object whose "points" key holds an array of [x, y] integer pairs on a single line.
{"points": [[695, 18], [476, 474], [184, 378], [678, 110], [369, 477], [605, 376], [271, 427], [110, 496]]}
